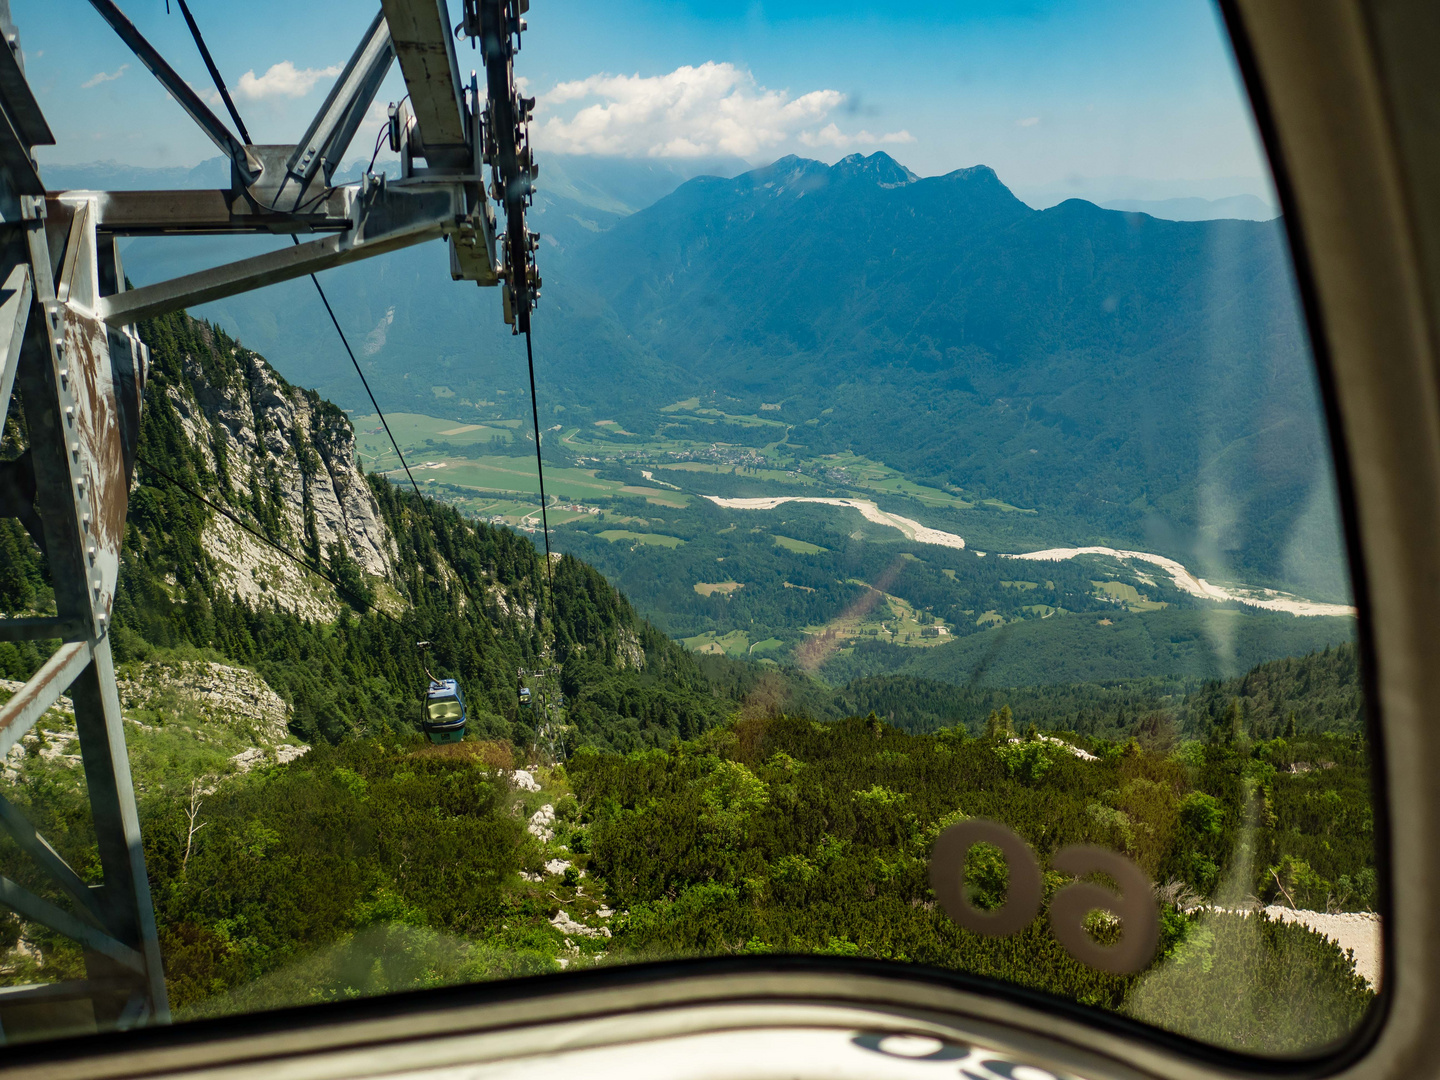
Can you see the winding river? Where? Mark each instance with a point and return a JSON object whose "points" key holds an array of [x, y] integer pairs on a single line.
{"points": [[1181, 578]]}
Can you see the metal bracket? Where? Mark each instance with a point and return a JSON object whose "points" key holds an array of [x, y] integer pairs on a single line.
{"points": [[333, 128]]}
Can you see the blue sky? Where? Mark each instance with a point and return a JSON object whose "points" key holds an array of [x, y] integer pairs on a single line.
{"points": [[1111, 99]]}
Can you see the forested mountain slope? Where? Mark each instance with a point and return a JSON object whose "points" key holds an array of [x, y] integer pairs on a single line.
{"points": [[1319, 693]]}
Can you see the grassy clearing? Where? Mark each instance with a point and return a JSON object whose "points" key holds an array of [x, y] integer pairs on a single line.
{"points": [[710, 588], [658, 497], [1127, 595], [653, 539], [800, 547], [735, 643], [746, 420], [996, 504]]}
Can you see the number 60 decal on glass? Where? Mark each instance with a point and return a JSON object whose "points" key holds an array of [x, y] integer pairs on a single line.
{"points": [[1134, 903]]}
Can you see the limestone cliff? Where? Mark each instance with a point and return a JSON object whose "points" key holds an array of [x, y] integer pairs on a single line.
{"points": [[283, 458]]}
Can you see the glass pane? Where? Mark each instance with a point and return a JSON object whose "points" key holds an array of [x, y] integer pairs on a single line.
{"points": [[948, 559]]}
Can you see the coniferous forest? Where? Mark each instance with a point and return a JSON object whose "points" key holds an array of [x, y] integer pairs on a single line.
{"points": [[699, 806]]}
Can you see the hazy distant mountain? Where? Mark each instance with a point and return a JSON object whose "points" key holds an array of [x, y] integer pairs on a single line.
{"points": [[1243, 207], [113, 176], [623, 185], [413, 328]]}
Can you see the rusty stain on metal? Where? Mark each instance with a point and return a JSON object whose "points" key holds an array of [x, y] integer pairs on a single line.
{"points": [[98, 472], [18, 715]]}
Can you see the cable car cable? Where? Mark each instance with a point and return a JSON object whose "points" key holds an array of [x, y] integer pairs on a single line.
{"points": [[540, 469], [214, 72], [363, 381]]}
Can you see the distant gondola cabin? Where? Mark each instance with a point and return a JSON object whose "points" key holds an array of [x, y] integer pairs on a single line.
{"points": [[445, 712], [524, 697]]}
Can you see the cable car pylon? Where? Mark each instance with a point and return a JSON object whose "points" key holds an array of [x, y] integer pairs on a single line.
{"points": [[542, 703], [68, 346]]}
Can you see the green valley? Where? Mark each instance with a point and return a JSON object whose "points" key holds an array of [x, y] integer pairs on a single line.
{"points": [[840, 595]]}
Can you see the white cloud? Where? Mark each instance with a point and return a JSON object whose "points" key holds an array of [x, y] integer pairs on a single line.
{"points": [[207, 94], [1029, 121], [283, 80], [691, 112], [100, 77], [831, 135]]}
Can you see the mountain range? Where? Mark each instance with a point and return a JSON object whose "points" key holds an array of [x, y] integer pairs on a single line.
{"points": [[1135, 380]]}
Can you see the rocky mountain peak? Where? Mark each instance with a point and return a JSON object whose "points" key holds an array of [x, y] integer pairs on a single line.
{"points": [[879, 168]]}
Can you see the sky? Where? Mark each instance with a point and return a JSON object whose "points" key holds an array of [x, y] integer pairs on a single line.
{"points": [[1105, 99]]}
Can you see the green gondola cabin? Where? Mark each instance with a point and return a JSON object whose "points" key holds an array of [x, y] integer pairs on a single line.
{"points": [[445, 712]]}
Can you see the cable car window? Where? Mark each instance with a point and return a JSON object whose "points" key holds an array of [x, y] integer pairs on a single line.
{"points": [[879, 506]]}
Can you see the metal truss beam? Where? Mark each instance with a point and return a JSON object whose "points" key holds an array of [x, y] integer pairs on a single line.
{"points": [[425, 47], [15, 297], [22, 126], [387, 218], [49, 860], [82, 383], [29, 906], [40, 692], [209, 211], [334, 126], [178, 88]]}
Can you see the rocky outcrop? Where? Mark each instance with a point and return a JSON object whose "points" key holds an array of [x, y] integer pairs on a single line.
{"points": [[229, 708], [233, 697], [284, 457]]}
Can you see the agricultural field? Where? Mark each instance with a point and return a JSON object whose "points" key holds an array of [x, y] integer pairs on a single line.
{"points": [[633, 538], [882, 616], [483, 467], [447, 459], [800, 547], [414, 431]]}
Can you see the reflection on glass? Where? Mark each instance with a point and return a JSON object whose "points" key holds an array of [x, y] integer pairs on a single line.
{"points": [[891, 505]]}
